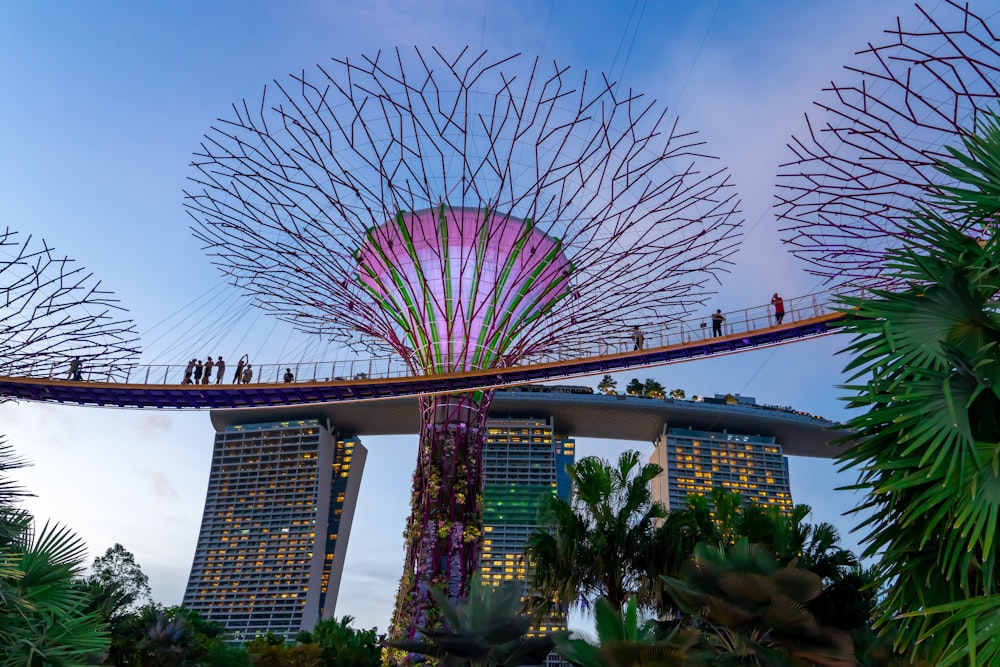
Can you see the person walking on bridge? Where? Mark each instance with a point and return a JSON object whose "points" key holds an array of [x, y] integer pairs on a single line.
{"points": [[779, 308], [220, 370], [637, 337]]}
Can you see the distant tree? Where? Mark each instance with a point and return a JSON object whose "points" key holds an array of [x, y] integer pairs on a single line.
{"points": [[607, 385], [678, 394], [118, 570], [344, 645], [653, 389], [635, 387]]}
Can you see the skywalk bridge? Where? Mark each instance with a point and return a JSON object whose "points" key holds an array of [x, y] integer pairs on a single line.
{"points": [[160, 386]]}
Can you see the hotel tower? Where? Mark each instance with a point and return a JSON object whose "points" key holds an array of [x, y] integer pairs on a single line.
{"points": [[281, 496]]}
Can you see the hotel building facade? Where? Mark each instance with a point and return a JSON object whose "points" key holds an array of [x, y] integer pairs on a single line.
{"points": [[284, 484], [699, 460], [524, 462], [274, 533]]}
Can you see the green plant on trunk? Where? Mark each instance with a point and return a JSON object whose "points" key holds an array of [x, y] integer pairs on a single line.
{"points": [[488, 629], [926, 369], [635, 387], [608, 385], [625, 642], [752, 610]]}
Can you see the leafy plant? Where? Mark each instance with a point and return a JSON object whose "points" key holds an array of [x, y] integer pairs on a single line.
{"points": [[751, 608], [926, 369], [44, 617], [487, 629], [625, 642]]}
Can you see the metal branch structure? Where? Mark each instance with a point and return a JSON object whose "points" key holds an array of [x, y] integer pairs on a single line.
{"points": [[55, 316], [870, 154], [463, 212]]}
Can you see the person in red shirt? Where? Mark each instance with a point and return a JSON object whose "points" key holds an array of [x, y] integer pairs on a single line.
{"points": [[779, 308]]}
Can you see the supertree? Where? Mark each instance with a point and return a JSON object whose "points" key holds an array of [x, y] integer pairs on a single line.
{"points": [[871, 153], [54, 312], [465, 213]]}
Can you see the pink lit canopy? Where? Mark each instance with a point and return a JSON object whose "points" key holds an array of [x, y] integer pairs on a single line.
{"points": [[464, 285]]}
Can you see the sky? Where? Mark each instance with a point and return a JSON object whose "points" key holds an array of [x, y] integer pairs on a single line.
{"points": [[104, 104]]}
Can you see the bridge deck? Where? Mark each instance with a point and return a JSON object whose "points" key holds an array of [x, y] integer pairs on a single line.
{"points": [[207, 396]]}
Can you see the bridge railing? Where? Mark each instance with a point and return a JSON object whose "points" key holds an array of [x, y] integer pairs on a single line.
{"points": [[680, 332]]}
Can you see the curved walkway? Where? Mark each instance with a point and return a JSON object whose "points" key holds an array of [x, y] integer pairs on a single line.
{"points": [[806, 317]]}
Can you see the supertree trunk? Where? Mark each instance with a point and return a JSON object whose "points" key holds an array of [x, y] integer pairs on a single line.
{"points": [[444, 531]]}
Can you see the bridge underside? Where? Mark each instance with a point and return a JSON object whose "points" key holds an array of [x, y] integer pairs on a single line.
{"points": [[297, 393]]}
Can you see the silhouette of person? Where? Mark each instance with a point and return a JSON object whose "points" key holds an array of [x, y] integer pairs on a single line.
{"points": [[220, 370], [637, 338], [247, 374], [209, 365], [197, 371], [188, 370], [238, 376], [288, 375], [717, 319], [779, 308], [75, 370]]}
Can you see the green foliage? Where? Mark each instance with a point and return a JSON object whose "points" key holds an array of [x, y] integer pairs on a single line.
{"points": [[926, 368], [624, 642], [600, 544], [678, 394], [751, 607], [263, 653], [117, 570], [607, 385], [977, 166], [486, 630], [346, 646], [635, 387], [44, 617], [653, 389]]}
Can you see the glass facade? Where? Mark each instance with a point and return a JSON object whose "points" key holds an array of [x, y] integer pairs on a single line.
{"points": [[524, 462], [274, 533]]}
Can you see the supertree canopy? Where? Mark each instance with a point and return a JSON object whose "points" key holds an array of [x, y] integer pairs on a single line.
{"points": [[871, 153], [466, 213], [54, 312]]}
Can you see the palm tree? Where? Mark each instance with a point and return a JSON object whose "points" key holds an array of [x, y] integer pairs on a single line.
{"points": [[926, 370], [599, 544], [43, 613]]}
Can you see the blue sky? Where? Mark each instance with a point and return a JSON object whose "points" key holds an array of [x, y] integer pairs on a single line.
{"points": [[104, 104]]}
